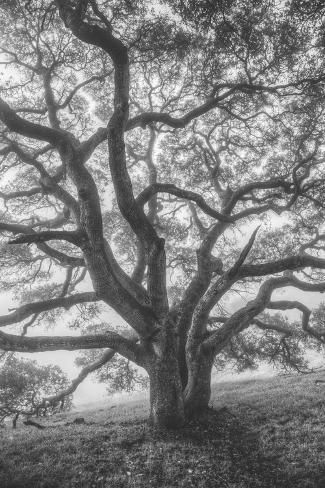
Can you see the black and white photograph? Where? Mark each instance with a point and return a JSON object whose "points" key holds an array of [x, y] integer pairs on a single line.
{"points": [[162, 243]]}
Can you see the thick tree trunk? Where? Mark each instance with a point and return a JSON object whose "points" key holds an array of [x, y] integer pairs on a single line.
{"points": [[166, 396], [198, 389]]}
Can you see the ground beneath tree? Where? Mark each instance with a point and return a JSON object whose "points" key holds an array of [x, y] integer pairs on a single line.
{"points": [[258, 434]]}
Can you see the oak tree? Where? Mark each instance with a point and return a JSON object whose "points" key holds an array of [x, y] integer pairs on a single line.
{"points": [[157, 160]]}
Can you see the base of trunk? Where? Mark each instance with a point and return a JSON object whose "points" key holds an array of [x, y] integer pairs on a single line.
{"points": [[166, 418], [166, 397]]}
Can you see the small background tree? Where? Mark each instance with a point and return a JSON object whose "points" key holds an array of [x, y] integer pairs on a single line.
{"points": [[25, 385]]}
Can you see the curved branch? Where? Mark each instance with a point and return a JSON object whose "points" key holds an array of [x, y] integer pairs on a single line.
{"points": [[26, 128], [59, 397], [155, 188], [147, 118], [103, 38], [81, 85], [25, 311], [244, 316], [287, 304], [63, 259], [260, 185], [48, 183], [277, 328], [216, 291]]}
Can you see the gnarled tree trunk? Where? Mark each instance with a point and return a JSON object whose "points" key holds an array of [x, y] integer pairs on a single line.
{"points": [[166, 396], [198, 389], [166, 392]]}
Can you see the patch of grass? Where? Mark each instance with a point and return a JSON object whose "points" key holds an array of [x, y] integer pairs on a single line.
{"points": [[259, 434]]}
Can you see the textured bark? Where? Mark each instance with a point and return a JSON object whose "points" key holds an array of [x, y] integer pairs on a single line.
{"points": [[198, 389], [166, 392], [166, 397]]}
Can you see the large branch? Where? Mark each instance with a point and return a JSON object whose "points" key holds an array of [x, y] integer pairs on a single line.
{"points": [[281, 329], [48, 183], [48, 235], [122, 345], [90, 368], [62, 258], [155, 188], [25, 311], [51, 104], [293, 263], [225, 282], [230, 202], [26, 128], [289, 305], [21, 194], [260, 185], [147, 118], [240, 271], [212, 102], [103, 38], [107, 280], [244, 316], [216, 291]]}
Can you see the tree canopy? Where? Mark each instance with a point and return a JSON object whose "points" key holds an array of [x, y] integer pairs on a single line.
{"points": [[158, 160]]}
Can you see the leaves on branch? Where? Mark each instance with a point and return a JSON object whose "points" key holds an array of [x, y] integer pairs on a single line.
{"points": [[24, 384]]}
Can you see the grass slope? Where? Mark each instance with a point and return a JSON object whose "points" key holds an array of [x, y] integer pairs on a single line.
{"points": [[259, 434]]}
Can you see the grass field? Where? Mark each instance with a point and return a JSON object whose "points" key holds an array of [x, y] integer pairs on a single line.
{"points": [[259, 433]]}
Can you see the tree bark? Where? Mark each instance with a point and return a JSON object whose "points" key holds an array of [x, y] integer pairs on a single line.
{"points": [[166, 397], [198, 389], [166, 392]]}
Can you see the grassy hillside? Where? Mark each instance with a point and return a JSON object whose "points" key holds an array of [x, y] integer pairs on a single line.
{"points": [[260, 433]]}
